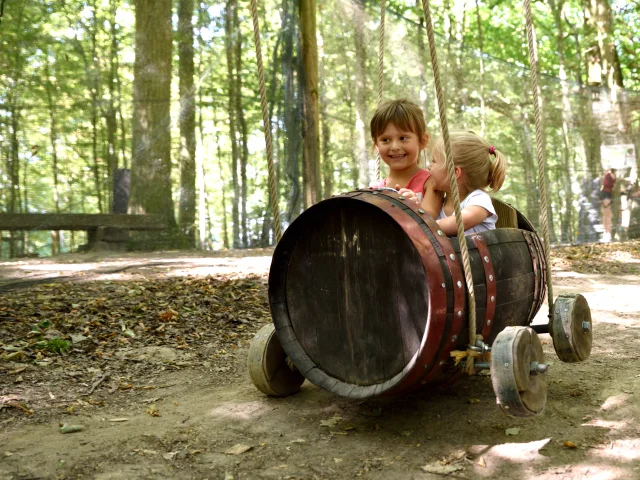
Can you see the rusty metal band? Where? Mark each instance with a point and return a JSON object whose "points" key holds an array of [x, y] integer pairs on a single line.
{"points": [[490, 282], [459, 293], [536, 273], [436, 319]]}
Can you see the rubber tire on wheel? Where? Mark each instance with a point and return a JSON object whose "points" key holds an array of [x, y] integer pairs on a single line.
{"points": [[570, 341], [268, 365], [519, 392]]}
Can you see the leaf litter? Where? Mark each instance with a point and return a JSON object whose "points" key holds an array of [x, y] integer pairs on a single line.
{"points": [[94, 337]]}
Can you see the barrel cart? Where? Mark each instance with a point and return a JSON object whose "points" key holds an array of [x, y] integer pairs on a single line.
{"points": [[368, 298]]}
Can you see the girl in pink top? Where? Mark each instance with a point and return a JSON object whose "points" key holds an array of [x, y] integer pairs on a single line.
{"points": [[399, 133]]}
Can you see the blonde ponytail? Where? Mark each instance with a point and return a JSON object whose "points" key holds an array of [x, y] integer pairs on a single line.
{"points": [[484, 166], [498, 171]]}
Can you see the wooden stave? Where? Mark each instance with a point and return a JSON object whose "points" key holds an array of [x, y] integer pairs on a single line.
{"points": [[414, 374]]}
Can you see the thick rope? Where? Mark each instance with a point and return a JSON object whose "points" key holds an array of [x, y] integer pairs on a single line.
{"points": [[273, 190], [537, 107], [380, 72], [464, 251]]}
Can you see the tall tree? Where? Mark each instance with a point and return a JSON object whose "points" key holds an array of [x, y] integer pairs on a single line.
{"points": [[361, 93], [151, 162], [242, 123], [232, 92], [311, 171], [187, 120]]}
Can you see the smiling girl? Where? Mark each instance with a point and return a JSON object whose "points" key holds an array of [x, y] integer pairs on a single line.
{"points": [[399, 134]]}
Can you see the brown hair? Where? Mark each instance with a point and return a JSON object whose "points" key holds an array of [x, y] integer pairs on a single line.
{"points": [[403, 113], [483, 164]]}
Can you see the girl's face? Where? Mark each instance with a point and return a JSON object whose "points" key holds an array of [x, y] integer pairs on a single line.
{"points": [[399, 149], [438, 170]]}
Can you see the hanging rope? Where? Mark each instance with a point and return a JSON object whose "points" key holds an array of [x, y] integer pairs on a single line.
{"points": [[537, 106], [453, 184], [380, 72], [273, 190]]}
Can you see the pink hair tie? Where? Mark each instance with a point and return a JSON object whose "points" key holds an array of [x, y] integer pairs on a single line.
{"points": [[492, 151]]}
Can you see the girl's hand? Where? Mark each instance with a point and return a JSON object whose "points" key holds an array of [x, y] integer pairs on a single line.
{"points": [[408, 194]]}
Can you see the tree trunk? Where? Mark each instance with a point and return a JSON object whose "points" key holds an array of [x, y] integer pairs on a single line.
{"points": [[483, 123], [292, 113], [151, 162], [225, 222], [362, 116], [232, 92], [187, 119], [311, 171], [111, 112], [603, 69], [14, 171], [422, 61], [53, 138], [567, 235], [94, 85], [242, 123]]}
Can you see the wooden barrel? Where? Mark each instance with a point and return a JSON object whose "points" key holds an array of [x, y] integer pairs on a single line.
{"points": [[368, 296]]}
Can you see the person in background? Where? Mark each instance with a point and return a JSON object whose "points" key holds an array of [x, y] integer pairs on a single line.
{"points": [[606, 198]]}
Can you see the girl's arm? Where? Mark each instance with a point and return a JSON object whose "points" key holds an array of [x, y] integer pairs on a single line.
{"points": [[472, 215], [432, 199]]}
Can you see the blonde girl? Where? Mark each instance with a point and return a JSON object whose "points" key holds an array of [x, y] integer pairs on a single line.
{"points": [[478, 166]]}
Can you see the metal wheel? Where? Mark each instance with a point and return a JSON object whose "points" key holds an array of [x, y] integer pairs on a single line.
{"points": [[571, 328], [518, 372], [269, 368]]}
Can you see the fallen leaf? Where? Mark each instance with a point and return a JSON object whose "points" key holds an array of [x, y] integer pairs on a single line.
{"points": [[481, 462], [332, 422], [438, 468], [71, 428], [153, 411], [473, 400], [512, 431], [569, 444], [238, 449]]}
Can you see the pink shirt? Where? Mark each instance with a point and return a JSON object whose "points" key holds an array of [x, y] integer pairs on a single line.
{"points": [[416, 183]]}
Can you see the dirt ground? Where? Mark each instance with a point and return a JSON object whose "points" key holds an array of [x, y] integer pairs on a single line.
{"points": [[147, 354]]}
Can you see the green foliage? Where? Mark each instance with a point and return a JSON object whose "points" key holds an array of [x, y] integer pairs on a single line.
{"points": [[66, 72]]}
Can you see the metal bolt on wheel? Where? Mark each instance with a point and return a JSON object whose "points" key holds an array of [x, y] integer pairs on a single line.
{"points": [[268, 365], [518, 372], [571, 328]]}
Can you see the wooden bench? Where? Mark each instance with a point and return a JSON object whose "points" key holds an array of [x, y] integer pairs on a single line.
{"points": [[110, 231]]}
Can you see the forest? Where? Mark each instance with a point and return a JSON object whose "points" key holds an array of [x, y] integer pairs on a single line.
{"points": [[167, 92]]}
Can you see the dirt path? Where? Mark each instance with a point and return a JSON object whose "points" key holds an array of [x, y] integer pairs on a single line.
{"points": [[186, 408]]}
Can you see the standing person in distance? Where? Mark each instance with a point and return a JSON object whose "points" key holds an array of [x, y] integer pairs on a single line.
{"points": [[606, 198]]}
